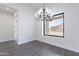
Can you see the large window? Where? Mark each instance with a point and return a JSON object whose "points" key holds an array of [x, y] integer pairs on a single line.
{"points": [[54, 26]]}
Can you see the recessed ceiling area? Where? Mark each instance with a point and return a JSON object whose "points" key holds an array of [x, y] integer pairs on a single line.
{"points": [[7, 10]]}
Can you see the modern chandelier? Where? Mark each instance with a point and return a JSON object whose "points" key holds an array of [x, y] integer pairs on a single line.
{"points": [[43, 14]]}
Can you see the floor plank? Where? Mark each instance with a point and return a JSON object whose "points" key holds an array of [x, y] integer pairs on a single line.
{"points": [[33, 48]]}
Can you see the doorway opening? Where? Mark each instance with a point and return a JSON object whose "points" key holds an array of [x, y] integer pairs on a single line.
{"points": [[8, 23]]}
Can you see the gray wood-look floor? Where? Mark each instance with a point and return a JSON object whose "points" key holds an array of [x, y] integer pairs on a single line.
{"points": [[33, 48]]}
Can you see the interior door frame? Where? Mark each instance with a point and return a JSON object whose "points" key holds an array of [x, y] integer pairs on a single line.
{"points": [[15, 20]]}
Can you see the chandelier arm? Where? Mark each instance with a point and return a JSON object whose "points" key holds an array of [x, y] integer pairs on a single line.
{"points": [[43, 13]]}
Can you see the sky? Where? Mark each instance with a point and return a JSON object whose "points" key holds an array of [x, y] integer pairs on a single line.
{"points": [[56, 23]]}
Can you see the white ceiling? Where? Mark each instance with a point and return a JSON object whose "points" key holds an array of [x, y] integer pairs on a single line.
{"points": [[7, 9]]}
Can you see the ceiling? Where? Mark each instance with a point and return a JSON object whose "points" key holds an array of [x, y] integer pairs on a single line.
{"points": [[7, 9]]}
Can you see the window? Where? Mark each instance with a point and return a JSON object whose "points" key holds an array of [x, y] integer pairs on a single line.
{"points": [[54, 26]]}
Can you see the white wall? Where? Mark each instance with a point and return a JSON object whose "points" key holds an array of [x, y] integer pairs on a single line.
{"points": [[25, 22], [6, 27], [71, 30]]}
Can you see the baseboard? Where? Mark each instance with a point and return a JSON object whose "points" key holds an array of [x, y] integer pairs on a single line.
{"points": [[59, 46], [20, 43]]}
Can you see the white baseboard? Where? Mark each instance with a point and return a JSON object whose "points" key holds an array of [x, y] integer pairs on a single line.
{"points": [[60, 46], [5, 40], [19, 43]]}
